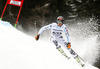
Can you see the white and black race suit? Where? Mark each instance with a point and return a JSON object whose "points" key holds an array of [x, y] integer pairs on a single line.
{"points": [[56, 34]]}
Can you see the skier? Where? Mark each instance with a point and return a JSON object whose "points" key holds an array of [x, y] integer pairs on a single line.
{"points": [[56, 37]]}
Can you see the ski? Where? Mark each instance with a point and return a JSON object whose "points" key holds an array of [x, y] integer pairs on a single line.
{"points": [[79, 59], [62, 52]]}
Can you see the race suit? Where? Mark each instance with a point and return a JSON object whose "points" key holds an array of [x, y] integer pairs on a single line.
{"points": [[56, 34]]}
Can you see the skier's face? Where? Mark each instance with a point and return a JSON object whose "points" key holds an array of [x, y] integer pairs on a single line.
{"points": [[59, 24]]}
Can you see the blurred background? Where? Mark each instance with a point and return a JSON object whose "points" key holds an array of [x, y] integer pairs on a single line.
{"points": [[37, 13]]}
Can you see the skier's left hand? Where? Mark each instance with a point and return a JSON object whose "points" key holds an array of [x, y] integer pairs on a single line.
{"points": [[68, 45]]}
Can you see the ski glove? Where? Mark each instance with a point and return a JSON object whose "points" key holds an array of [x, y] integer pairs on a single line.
{"points": [[68, 45], [37, 37]]}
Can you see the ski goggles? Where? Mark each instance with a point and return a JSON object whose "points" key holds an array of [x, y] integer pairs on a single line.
{"points": [[60, 21]]}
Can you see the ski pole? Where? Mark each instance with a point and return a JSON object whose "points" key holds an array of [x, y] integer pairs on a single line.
{"points": [[78, 55], [81, 58]]}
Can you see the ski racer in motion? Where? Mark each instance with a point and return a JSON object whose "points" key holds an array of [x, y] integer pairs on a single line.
{"points": [[56, 37]]}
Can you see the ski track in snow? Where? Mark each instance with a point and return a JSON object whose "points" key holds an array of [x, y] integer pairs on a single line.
{"points": [[20, 51]]}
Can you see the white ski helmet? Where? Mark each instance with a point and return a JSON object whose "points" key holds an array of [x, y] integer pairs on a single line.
{"points": [[60, 19]]}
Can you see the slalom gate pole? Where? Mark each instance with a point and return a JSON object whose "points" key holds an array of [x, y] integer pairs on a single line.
{"points": [[3, 11], [0, 18], [14, 3], [18, 17]]}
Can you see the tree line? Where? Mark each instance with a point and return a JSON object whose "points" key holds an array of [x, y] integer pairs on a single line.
{"points": [[41, 11]]}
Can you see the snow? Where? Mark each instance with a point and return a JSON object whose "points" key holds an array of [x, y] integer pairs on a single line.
{"points": [[20, 51]]}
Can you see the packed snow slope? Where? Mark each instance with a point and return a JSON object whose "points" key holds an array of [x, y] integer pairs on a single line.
{"points": [[20, 51]]}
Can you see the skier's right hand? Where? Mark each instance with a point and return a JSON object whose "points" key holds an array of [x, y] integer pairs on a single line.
{"points": [[37, 37]]}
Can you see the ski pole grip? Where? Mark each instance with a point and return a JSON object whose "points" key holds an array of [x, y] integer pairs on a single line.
{"points": [[69, 45], [37, 37]]}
